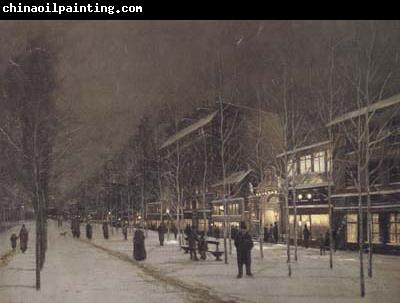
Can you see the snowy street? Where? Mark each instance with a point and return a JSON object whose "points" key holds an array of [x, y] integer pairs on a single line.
{"points": [[103, 270]]}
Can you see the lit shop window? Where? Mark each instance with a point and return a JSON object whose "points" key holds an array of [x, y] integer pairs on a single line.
{"points": [[375, 228], [305, 164], [233, 209], [394, 229], [319, 162], [351, 228]]}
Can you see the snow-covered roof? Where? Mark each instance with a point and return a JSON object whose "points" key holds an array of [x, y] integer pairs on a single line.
{"points": [[189, 129], [234, 178], [362, 111], [303, 148]]}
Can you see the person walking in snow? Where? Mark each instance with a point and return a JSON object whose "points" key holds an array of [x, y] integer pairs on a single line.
{"points": [[139, 250], [321, 242], [275, 232], [161, 232], [23, 238], [174, 230], [306, 236], [243, 244], [105, 230], [192, 239], [89, 231], [203, 247], [13, 240], [125, 230]]}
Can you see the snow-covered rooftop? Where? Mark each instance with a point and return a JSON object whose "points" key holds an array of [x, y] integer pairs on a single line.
{"points": [[189, 129], [234, 178], [362, 111]]}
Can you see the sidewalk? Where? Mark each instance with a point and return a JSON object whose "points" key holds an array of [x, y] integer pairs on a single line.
{"points": [[76, 272], [311, 281]]}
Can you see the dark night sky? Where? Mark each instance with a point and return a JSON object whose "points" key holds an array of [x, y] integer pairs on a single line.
{"points": [[112, 72]]}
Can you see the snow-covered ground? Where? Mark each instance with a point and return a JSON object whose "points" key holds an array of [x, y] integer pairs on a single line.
{"points": [[102, 270], [76, 272]]}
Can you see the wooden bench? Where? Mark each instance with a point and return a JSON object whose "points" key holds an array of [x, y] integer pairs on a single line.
{"points": [[216, 253]]}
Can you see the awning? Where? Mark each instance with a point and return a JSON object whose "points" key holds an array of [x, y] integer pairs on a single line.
{"points": [[188, 130]]}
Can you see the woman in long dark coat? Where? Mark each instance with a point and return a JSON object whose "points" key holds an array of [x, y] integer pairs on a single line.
{"points": [[23, 238], [105, 230], [139, 251], [89, 231]]}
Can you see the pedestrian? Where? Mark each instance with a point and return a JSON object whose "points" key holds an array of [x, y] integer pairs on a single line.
{"points": [[187, 230], [327, 240], [161, 232], [78, 227], [139, 251], [203, 247], [243, 244], [234, 232], [275, 232], [335, 239], [266, 234], [306, 236], [125, 231], [23, 238], [192, 239], [89, 231], [174, 230], [321, 241], [105, 230], [13, 240]]}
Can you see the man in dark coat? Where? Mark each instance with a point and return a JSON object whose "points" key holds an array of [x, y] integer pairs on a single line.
{"points": [[23, 238], [174, 230], [139, 251], [161, 232], [13, 240], [125, 230], [243, 244], [203, 247], [78, 227], [306, 236], [234, 232], [275, 232], [192, 239], [105, 230], [89, 230]]}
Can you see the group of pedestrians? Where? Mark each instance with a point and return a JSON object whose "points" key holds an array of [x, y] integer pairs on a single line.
{"points": [[23, 239], [271, 234]]}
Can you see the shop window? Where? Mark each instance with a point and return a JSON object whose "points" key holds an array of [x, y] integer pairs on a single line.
{"points": [[375, 228], [305, 164], [233, 209], [319, 224], [394, 228], [319, 162], [352, 228]]}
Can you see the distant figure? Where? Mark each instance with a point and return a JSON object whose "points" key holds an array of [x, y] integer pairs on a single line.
{"points": [[89, 231], [234, 232], [335, 239], [203, 247], [327, 240], [13, 240], [23, 238], [125, 231], [306, 236], [321, 242], [243, 244], [59, 221], [192, 239], [275, 232], [105, 230], [161, 232], [271, 233], [174, 230], [139, 251], [187, 230], [266, 234]]}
